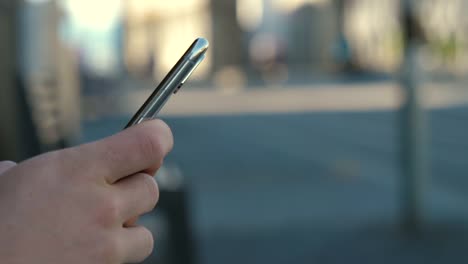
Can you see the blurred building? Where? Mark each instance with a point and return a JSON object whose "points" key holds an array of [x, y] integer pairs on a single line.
{"points": [[273, 36], [310, 31], [301, 34], [49, 72], [158, 32], [288, 39], [95, 29]]}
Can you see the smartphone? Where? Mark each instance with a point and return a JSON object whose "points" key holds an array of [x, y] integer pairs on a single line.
{"points": [[176, 77]]}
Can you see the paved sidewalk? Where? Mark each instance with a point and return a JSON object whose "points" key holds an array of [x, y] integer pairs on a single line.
{"points": [[314, 187]]}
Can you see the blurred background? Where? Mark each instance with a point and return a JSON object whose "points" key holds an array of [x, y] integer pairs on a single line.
{"points": [[315, 131]]}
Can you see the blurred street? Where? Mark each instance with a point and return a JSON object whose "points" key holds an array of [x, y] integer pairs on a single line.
{"points": [[319, 183], [313, 131]]}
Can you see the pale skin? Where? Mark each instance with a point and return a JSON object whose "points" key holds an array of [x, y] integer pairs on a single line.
{"points": [[79, 205]]}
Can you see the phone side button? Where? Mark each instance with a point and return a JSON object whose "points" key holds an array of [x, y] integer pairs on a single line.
{"points": [[178, 88]]}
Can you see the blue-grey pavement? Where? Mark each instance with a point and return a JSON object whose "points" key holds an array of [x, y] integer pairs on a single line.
{"points": [[315, 187]]}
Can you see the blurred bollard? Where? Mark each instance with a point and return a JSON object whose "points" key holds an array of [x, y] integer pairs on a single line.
{"points": [[414, 143], [171, 220]]}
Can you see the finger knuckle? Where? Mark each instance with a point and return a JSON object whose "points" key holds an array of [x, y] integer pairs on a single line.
{"points": [[108, 211]]}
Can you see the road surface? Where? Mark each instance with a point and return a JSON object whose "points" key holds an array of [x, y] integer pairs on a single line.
{"points": [[314, 186]]}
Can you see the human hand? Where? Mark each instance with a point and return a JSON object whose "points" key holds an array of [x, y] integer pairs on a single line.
{"points": [[70, 206]]}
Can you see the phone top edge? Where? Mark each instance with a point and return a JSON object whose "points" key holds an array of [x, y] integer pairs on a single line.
{"points": [[199, 48], [176, 77]]}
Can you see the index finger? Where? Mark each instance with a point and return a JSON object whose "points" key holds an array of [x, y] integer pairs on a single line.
{"points": [[135, 149]]}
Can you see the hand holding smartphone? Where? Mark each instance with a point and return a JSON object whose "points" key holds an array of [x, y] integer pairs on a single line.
{"points": [[173, 81]]}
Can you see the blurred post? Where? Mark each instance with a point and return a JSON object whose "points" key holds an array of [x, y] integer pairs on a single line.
{"points": [[181, 246], [413, 126], [227, 41], [18, 139]]}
